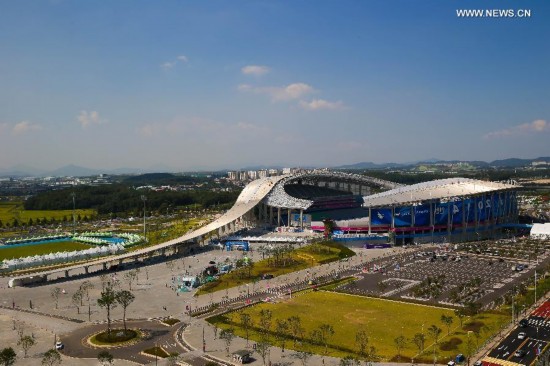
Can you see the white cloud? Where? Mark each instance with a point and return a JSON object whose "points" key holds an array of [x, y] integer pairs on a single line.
{"points": [[318, 104], [255, 70], [23, 127], [89, 118], [286, 93], [536, 126], [167, 65]]}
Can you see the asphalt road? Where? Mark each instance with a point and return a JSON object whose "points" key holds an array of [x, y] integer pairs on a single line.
{"points": [[534, 336], [157, 334]]}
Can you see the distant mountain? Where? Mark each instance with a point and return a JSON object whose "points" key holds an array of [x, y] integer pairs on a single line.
{"points": [[371, 165], [158, 179], [505, 163], [74, 171], [79, 171], [517, 163], [21, 170]]}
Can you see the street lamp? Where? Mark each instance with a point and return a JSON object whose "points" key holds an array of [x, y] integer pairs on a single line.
{"points": [[144, 199], [73, 195]]}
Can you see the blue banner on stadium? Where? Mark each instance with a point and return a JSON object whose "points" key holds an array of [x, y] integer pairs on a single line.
{"points": [[381, 216], [469, 210], [441, 213], [480, 205], [456, 212], [403, 216], [421, 215]]}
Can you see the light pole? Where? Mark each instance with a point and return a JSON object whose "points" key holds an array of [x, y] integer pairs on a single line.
{"points": [[144, 199], [73, 195]]}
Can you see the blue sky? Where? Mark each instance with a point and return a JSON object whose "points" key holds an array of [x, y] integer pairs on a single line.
{"points": [[228, 84]]}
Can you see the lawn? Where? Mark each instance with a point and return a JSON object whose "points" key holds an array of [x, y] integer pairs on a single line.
{"points": [[7, 252], [15, 210], [383, 320], [298, 259]]}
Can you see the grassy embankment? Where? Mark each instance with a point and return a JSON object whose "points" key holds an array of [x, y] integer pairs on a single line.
{"points": [[295, 260]]}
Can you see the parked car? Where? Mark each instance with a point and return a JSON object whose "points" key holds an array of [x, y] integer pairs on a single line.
{"points": [[267, 276], [478, 363], [521, 335], [59, 345]]}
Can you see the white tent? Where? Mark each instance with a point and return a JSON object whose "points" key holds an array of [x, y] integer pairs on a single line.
{"points": [[541, 231]]}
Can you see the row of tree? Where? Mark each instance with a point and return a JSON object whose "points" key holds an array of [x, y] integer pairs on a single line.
{"points": [[118, 198]]}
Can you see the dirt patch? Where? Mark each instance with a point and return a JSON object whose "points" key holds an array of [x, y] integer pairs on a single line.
{"points": [[451, 344], [359, 316], [473, 326]]}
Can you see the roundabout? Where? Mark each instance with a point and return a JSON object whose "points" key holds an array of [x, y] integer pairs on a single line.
{"points": [[84, 343], [116, 338]]}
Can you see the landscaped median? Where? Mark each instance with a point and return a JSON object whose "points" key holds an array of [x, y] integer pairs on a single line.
{"points": [[385, 323], [279, 263], [117, 338]]}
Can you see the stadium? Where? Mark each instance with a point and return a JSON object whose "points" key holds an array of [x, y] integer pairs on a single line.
{"points": [[446, 210]]}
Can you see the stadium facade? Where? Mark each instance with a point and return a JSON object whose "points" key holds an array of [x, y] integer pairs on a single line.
{"points": [[451, 210]]}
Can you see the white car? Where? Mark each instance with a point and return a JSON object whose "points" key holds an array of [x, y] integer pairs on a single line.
{"points": [[521, 335], [59, 345]]}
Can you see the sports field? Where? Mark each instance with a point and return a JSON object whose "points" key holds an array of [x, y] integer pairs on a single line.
{"points": [[7, 252], [383, 320]]}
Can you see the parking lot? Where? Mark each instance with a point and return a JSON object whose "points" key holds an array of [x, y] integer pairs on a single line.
{"points": [[445, 276]]}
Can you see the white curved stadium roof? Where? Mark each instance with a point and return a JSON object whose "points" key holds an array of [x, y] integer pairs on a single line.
{"points": [[435, 189]]}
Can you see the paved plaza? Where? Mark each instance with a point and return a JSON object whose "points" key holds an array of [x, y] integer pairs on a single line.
{"points": [[34, 309]]}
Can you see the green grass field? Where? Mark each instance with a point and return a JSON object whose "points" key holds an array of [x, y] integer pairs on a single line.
{"points": [[15, 210], [301, 258], [29, 250], [384, 320]]}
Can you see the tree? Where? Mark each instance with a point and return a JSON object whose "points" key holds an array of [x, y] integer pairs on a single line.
{"points": [[124, 298], [460, 315], [104, 281], [105, 358], [7, 356], [227, 335], [51, 358], [246, 322], [419, 339], [173, 359], [362, 340], [448, 321], [295, 325], [263, 347], [265, 319], [302, 356], [327, 331], [56, 291], [130, 276], [281, 327], [250, 266], [26, 342], [399, 345], [108, 300], [434, 331], [77, 300]]}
